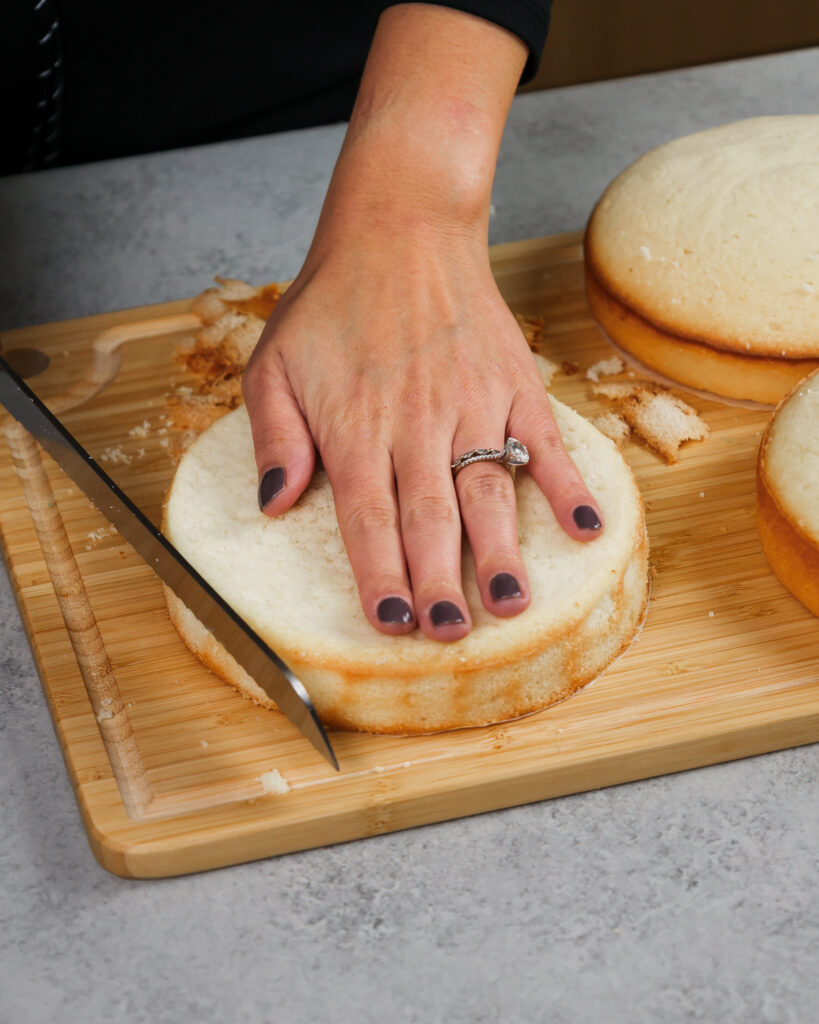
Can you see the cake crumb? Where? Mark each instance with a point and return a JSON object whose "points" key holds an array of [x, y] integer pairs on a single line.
{"points": [[115, 455], [274, 782], [532, 328], [613, 426], [205, 744], [102, 532], [142, 430], [605, 368], [547, 369]]}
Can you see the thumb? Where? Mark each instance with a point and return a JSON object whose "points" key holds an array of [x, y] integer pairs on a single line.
{"points": [[285, 452]]}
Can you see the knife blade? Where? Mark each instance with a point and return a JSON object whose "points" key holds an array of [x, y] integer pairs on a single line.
{"points": [[236, 636]]}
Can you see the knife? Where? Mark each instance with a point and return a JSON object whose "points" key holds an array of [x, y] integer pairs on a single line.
{"points": [[247, 647]]}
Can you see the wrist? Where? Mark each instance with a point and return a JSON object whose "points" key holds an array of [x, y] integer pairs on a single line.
{"points": [[414, 172], [423, 140]]}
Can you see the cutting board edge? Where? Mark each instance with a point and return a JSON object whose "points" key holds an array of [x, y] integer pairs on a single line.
{"points": [[157, 858]]}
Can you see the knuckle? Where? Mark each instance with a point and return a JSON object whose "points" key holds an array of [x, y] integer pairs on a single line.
{"points": [[545, 434], [362, 517], [277, 435], [484, 486], [551, 445], [425, 510]]}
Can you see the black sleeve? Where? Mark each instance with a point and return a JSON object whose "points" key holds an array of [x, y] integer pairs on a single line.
{"points": [[91, 80], [528, 19]]}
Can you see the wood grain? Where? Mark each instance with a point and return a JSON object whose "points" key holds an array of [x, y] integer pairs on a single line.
{"points": [[726, 665]]}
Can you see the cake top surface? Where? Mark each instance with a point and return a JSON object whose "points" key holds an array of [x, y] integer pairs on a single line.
{"points": [[791, 455], [290, 577], [715, 236]]}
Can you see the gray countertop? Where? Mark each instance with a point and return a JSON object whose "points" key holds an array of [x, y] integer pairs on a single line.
{"points": [[685, 898]]}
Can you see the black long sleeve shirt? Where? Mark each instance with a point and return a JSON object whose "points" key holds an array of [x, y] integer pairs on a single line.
{"points": [[90, 79]]}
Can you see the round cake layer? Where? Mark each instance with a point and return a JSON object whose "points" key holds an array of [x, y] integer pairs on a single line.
{"points": [[713, 240], [764, 379], [788, 492], [290, 578]]}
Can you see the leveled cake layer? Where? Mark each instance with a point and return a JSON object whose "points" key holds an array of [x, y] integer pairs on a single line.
{"points": [[290, 578]]}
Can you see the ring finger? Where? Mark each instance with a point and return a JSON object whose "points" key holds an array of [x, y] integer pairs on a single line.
{"points": [[486, 494]]}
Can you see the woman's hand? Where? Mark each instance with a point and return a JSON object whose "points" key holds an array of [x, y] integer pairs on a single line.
{"points": [[393, 353]]}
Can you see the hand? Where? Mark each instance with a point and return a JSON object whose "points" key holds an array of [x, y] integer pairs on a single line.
{"points": [[393, 353]]}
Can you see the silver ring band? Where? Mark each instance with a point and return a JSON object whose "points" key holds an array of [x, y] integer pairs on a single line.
{"points": [[513, 454]]}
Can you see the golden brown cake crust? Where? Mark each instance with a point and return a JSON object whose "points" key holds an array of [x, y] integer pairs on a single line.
{"points": [[792, 552], [692, 362], [473, 695]]}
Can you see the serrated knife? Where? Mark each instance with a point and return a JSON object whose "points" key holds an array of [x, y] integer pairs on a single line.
{"points": [[250, 651]]}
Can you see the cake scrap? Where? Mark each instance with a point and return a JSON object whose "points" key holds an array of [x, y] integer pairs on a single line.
{"points": [[532, 327], [605, 368], [613, 426], [233, 315], [274, 782], [661, 419]]}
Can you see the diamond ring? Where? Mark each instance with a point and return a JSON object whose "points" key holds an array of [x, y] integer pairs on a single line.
{"points": [[511, 455]]}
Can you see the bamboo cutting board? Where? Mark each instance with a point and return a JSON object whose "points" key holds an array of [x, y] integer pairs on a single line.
{"points": [[727, 664]]}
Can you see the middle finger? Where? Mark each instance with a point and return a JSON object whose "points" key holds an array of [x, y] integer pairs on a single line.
{"points": [[431, 531]]}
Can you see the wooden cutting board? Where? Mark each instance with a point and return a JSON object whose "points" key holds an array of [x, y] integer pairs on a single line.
{"points": [[727, 664]]}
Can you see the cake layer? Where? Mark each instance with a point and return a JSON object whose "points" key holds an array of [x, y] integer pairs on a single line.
{"points": [[788, 492], [711, 241], [763, 379], [290, 578]]}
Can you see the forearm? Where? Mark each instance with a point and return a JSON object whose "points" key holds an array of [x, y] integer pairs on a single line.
{"points": [[424, 136]]}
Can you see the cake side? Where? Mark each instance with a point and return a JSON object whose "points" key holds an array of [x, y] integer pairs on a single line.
{"points": [[787, 492], [730, 374], [468, 696]]}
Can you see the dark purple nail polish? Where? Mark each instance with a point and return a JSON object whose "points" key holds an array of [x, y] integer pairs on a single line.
{"points": [[503, 586], [586, 518], [445, 613], [270, 485], [394, 611]]}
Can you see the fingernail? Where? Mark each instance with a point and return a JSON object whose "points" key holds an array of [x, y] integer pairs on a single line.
{"points": [[394, 611], [586, 518], [270, 485], [504, 586], [445, 613]]}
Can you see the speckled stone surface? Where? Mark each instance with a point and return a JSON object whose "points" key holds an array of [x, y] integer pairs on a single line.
{"points": [[686, 898]]}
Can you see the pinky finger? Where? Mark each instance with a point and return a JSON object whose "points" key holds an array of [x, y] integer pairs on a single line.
{"points": [[575, 507]]}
